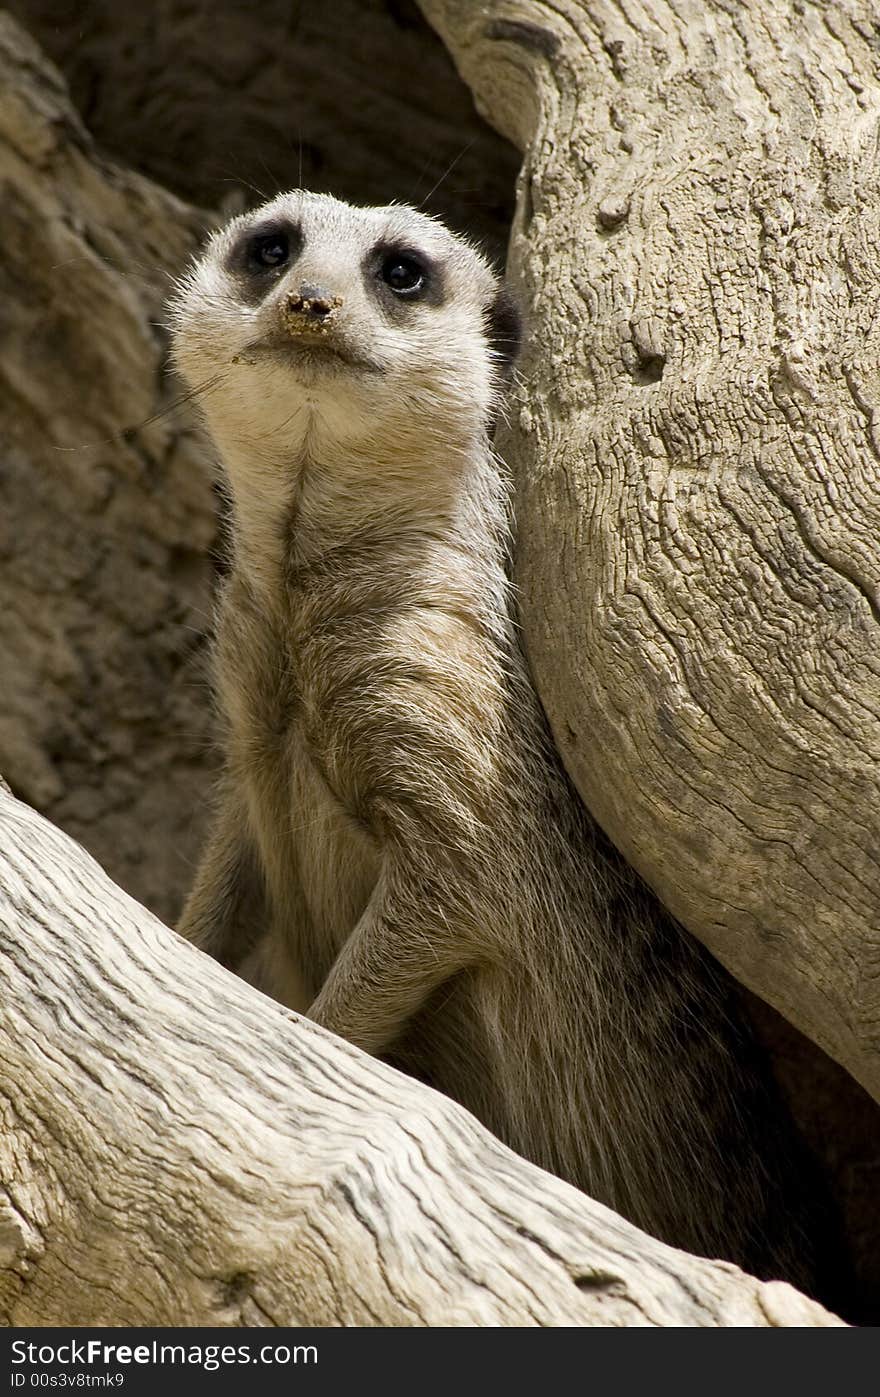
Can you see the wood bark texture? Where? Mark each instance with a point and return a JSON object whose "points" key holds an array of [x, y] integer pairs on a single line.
{"points": [[696, 445], [107, 514], [176, 1149]]}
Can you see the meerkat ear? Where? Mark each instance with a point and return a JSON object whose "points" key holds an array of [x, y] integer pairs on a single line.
{"points": [[505, 328]]}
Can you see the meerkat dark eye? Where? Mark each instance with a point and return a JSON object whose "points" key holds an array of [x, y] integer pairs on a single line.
{"points": [[404, 274], [268, 251]]}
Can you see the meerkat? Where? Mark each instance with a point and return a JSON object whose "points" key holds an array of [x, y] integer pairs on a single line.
{"points": [[396, 847]]}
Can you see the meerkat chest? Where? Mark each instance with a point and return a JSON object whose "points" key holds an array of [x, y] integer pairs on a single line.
{"points": [[316, 858]]}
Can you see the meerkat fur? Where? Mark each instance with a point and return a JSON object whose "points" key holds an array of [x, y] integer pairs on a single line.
{"points": [[396, 848]]}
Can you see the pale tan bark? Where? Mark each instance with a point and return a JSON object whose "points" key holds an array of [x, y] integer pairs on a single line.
{"points": [[697, 457], [177, 1149]]}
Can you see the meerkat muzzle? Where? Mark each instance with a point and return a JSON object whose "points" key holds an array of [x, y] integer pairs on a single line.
{"points": [[309, 309]]}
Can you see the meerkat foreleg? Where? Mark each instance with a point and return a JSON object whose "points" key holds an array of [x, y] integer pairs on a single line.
{"points": [[401, 950]]}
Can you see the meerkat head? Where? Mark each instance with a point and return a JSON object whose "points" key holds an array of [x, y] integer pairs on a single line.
{"points": [[310, 319]]}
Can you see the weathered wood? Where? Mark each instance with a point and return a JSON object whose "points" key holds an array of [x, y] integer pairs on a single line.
{"points": [[108, 513], [697, 457], [177, 1149]]}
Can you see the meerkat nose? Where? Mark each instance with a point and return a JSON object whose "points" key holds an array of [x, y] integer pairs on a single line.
{"points": [[312, 301]]}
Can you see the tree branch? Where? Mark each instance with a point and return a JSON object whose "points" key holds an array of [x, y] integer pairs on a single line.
{"points": [[177, 1149]]}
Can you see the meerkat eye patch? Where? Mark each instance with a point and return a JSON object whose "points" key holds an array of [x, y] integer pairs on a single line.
{"points": [[401, 273], [264, 249], [504, 328], [269, 250]]}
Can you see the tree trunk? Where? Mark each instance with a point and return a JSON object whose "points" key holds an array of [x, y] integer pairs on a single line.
{"points": [[697, 458], [107, 513], [177, 1149]]}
